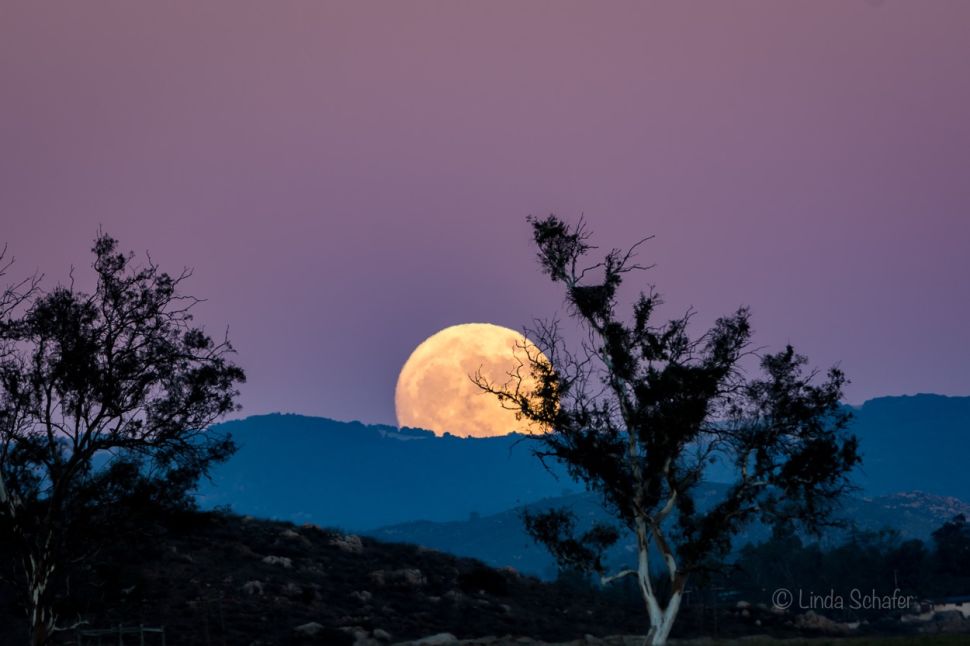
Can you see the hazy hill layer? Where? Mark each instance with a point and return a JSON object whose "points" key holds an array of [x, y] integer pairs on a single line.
{"points": [[363, 477], [915, 443], [501, 540], [351, 475]]}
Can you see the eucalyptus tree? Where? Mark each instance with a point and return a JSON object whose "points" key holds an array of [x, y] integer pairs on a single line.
{"points": [[105, 397], [641, 409]]}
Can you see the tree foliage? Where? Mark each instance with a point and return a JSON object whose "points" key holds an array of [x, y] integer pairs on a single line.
{"points": [[642, 409], [953, 555], [105, 401], [865, 560]]}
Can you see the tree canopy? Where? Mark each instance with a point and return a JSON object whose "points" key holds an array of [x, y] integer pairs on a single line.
{"points": [[105, 397], [641, 409]]}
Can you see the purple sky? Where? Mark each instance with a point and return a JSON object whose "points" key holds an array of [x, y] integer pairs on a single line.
{"points": [[346, 179]]}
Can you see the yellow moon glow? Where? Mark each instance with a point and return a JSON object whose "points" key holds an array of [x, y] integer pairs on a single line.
{"points": [[435, 391]]}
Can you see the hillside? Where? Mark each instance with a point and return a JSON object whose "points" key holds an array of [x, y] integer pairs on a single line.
{"points": [[215, 578], [920, 443], [224, 579], [356, 476], [500, 539], [364, 477]]}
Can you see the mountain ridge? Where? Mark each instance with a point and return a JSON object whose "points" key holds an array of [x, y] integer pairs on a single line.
{"points": [[364, 477]]}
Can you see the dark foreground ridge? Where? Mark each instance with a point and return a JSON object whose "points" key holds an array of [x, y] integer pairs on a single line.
{"points": [[214, 579]]}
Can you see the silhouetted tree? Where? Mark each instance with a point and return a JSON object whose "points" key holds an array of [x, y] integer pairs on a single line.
{"points": [[641, 409], [781, 561], [864, 560], [105, 398], [909, 563], [952, 556]]}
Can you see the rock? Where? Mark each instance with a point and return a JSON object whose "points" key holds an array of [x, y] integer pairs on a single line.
{"points": [[295, 536], [413, 576], [453, 596], [349, 543], [441, 639], [402, 577], [362, 595], [311, 629], [316, 570], [285, 561], [813, 621], [382, 635], [292, 590], [253, 587]]}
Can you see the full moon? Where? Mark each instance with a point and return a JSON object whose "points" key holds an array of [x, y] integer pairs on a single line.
{"points": [[435, 390]]}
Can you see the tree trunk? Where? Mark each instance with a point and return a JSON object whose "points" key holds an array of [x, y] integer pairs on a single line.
{"points": [[38, 566], [661, 619], [643, 578], [662, 631], [39, 614]]}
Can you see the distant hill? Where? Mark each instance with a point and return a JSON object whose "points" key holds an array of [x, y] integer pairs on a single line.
{"points": [[357, 476], [921, 442], [500, 540], [367, 476]]}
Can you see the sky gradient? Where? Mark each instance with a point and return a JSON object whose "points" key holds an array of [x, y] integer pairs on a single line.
{"points": [[348, 178]]}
